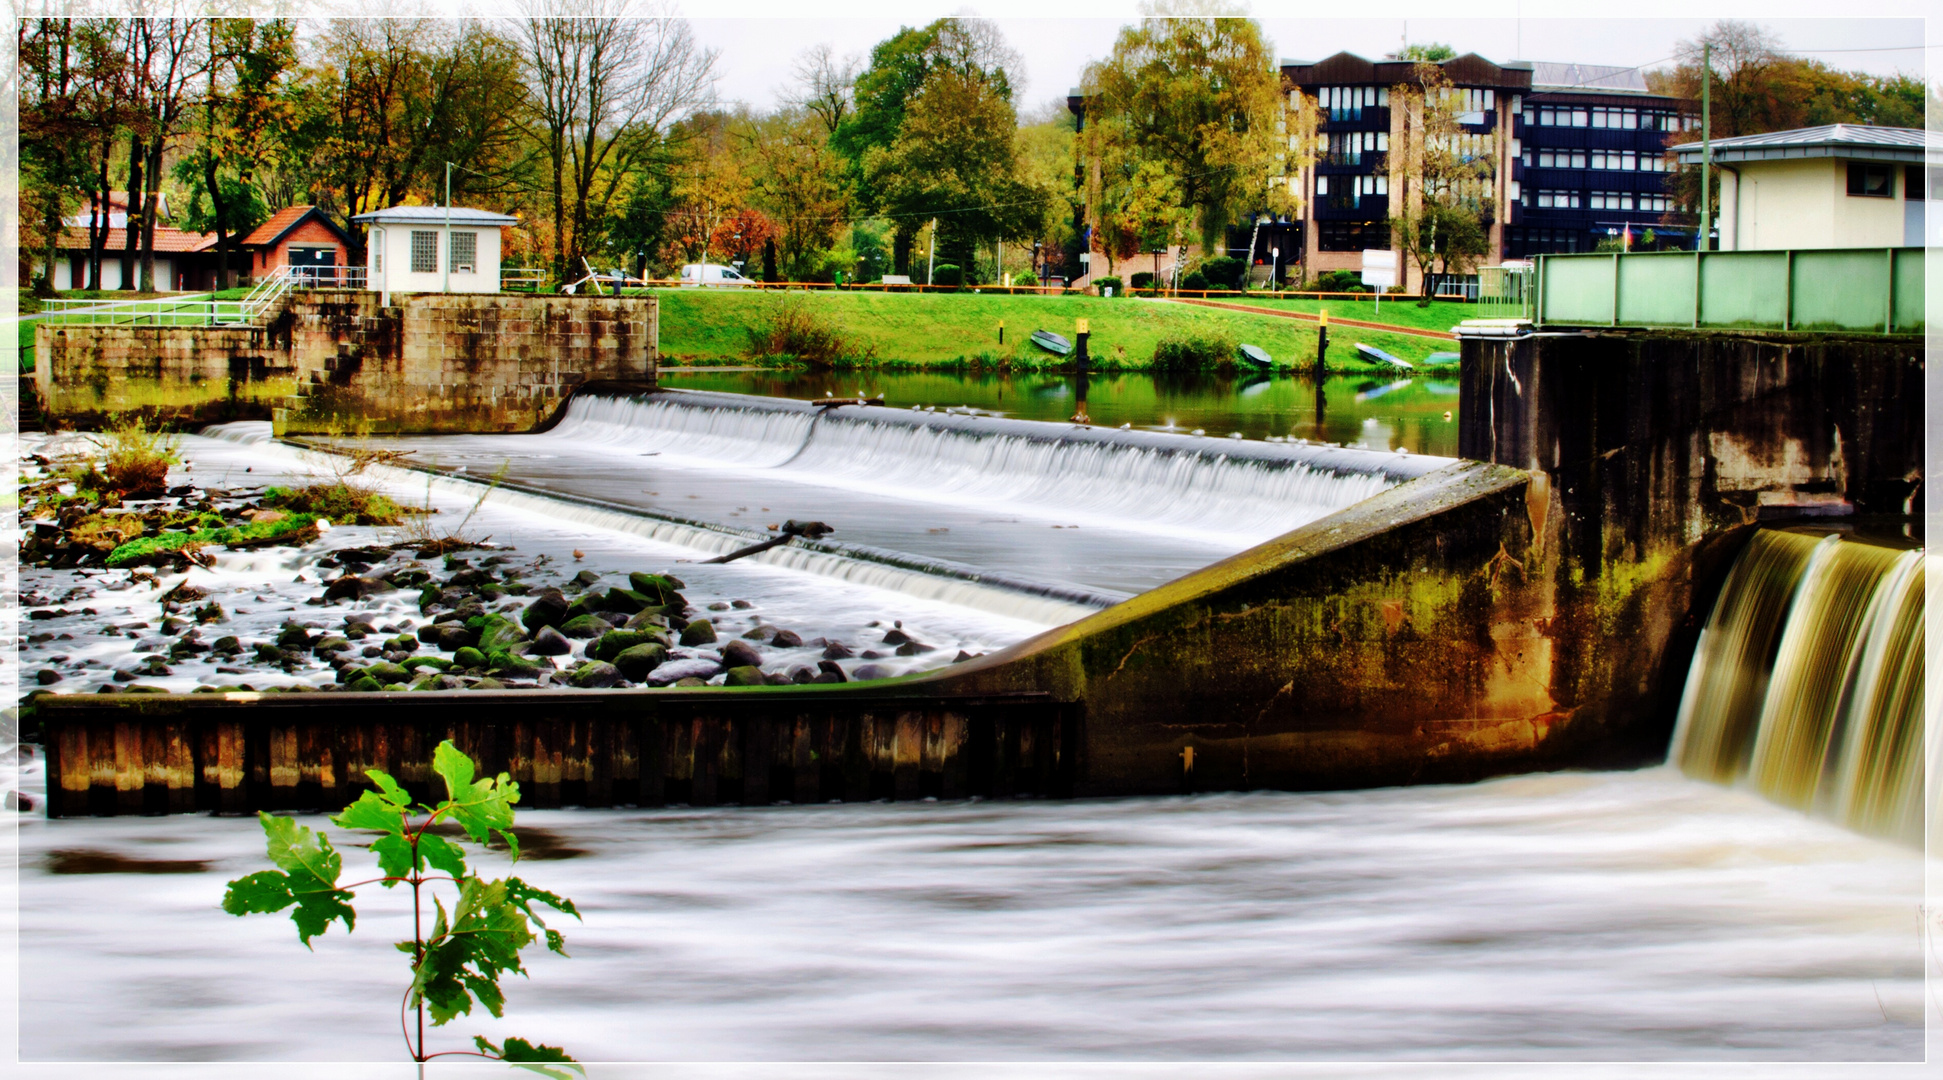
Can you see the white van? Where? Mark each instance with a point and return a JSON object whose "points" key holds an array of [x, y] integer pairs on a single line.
{"points": [[713, 275]]}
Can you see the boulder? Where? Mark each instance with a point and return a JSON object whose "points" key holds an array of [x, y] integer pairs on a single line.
{"points": [[293, 637], [699, 632], [625, 601], [506, 663], [745, 676], [332, 643], [896, 637], [387, 673], [867, 672], [656, 587], [352, 587], [401, 643], [548, 609], [585, 626], [759, 632], [690, 680], [740, 654], [777, 678], [454, 636], [550, 642], [468, 658], [434, 664], [647, 617], [914, 648], [615, 642], [676, 670], [828, 671], [637, 661], [365, 684], [496, 632], [837, 650], [594, 675], [786, 639], [585, 578], [489, 683]]}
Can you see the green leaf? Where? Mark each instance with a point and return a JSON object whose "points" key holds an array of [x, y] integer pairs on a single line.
{"points": [[389, 789], [442, 854], [466, 955], [310, 877], [480, 807], [538, 1059], [394, 857], [261, 893], [372, 811], [524, 896]]}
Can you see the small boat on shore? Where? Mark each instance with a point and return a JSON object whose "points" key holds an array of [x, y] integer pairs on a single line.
{"points": [[1255, 355], [1052, 343], [1375, 353]]}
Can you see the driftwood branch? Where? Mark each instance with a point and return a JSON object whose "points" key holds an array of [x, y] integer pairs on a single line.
{"points": [[790, 531]]}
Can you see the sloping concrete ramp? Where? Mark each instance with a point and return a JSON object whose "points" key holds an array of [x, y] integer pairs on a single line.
{"points": [[1389, 643]]}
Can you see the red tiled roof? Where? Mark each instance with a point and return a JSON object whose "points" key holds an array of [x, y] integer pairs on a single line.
{"points": [[276, 226], [167, 241]]}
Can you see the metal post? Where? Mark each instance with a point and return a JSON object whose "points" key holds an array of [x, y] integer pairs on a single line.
{"points": [[1697, 253], [1706, 145], [445, 257], [1889, 308], [1788, 310], [1615, 288]]}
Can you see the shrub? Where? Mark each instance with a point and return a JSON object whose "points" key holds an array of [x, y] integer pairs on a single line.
{"points": [[1195, 280], [947, 274], [342, 502], [290, 529], [1225, 271], [1341, 281], [1194, 352], [138, 459], [1102, 284], [792, 327], [1142, 279]]}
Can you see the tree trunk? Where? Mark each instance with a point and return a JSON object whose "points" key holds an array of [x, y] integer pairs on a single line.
{"points": [[902, 241], [222, 220], [1248, 261], [98, 226], [132, 231], [149, 200]]}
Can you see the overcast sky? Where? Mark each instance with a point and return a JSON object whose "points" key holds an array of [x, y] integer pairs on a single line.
{"points": [[757, 52]]}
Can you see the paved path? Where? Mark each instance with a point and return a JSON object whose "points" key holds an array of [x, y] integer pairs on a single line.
{"points": [[1311, 317]]}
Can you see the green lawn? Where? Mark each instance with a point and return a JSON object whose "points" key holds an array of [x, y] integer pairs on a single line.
{"points": [[1396, 311], [937, 330]]}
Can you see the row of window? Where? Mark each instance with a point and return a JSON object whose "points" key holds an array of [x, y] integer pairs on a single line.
{"points": [[1600, 116], [1618, 160], [1552, 199], [1351, 235], [1353, 185], [463, 253], [1353, 142], [1879, 181]]}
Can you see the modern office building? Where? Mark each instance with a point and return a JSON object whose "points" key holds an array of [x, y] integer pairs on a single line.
{"points": [[1573, 153]]}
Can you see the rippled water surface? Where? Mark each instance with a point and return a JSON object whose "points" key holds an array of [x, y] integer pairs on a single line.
{"points": [[1621, 916]]}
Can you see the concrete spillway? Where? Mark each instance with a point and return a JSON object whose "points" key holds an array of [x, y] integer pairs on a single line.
{"points": [[1534, 608]]}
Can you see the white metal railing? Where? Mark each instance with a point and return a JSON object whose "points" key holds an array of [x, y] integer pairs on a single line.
{"points": [[522, 277], [1505, 292], [160, 311]]}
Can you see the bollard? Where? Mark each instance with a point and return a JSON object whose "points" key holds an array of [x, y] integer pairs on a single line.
{"points": [[1322, 340], [1079, 356]]}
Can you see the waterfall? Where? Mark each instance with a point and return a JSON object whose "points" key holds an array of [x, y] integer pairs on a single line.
{"points": [[1145, 480], [1807, 683]]}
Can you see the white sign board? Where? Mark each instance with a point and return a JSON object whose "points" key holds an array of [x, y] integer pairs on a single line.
{"points": [[1379, 268]]}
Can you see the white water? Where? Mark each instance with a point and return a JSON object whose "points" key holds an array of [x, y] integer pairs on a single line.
{"points": [[816, 595], [1068, 508], [1807, 682], [1189, 489], [1572, 917]]}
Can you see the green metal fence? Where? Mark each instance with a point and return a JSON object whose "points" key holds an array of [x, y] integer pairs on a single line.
{"points": [[1869, 290]]}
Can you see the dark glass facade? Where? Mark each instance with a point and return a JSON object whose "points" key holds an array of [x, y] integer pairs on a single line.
{"points": [[1592, 166]]}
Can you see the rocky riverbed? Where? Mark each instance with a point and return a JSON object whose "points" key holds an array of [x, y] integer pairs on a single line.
{"points": [[510, 600]]}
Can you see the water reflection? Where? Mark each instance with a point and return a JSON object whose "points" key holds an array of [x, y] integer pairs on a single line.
{"points": [[1416, 414]]}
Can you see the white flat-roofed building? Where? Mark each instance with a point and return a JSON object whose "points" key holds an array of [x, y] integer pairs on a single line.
{"points": [[433, 249], [1836, 186]]}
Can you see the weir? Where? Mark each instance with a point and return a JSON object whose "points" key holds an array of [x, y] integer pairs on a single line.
{"points": [[1535, 607]]}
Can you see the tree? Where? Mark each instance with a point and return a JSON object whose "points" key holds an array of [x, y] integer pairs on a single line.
{"points": [[606, 83], [1429, 52], [900, 68], [826, 86], [242, 111], [797, 181], [167, 57], [954, 160], [1445, 176], [1196, 96]]}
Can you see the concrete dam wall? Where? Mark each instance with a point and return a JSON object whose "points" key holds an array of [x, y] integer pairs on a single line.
{"points": [[336, 360], [1533, 608]]}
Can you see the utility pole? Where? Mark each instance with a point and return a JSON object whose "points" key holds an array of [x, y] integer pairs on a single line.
{"points": [[931, 259], [445, 258], [1706, 146]]}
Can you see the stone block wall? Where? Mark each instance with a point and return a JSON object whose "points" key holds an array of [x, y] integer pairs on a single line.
{"points": [[339, 361], [89, 375]]}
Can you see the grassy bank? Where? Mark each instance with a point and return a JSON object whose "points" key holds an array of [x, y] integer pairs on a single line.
{"points": [[907, 331], [1441, 315]]}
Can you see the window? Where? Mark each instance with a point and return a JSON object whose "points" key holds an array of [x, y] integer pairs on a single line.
{"points": [[425, 252], [1655, 202], [1913, 183], [1558, 200], [1612, 200], [1511, 189], [1561, 159], [1627, 160], [1612, 117], [1350, 235], [1870, 180], [465, 252], [1322, 185]]}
